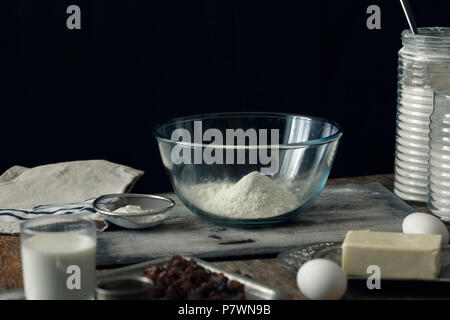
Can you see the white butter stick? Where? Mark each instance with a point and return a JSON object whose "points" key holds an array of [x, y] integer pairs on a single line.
{"points": [[398, 255]]}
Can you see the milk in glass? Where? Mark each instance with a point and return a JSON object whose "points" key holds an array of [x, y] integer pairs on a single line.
{"points": [[59, 265]]}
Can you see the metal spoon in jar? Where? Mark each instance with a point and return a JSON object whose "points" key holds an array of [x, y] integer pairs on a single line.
{"points": [[409, 15]]}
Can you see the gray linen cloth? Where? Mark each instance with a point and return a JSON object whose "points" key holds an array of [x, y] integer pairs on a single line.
{"points": [[60, 188]]}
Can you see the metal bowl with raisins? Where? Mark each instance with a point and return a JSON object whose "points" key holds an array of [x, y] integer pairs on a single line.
{"points": [[187, 277]]}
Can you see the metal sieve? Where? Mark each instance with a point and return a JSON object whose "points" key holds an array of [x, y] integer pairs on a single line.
{"points": [[155, 209]]}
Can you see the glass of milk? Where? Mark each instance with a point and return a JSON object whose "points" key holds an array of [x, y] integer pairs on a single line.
{"points": [[58, 258]]}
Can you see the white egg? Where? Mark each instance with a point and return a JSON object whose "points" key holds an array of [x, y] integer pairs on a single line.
{"points": [[426, 224], [321, 279]]}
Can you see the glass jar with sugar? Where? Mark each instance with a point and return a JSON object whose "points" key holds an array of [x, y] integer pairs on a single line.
{"points": [[424, 64]]}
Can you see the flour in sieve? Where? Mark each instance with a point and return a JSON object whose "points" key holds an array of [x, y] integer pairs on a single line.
{"points": [[254, 196], [129, 209]]}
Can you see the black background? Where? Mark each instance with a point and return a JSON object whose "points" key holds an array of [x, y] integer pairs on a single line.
{"points": [[97, 92]]}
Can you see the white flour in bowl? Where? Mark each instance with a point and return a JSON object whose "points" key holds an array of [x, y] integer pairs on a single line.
{"points": [[254, 196]]}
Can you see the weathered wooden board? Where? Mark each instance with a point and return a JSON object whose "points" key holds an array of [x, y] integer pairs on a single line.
{"points": [[340, 208]]}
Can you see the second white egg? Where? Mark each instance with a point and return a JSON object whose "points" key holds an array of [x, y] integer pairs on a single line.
{"points": [[425, 223]]}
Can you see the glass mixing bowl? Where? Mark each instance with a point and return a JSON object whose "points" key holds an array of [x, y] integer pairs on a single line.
{"points": [[300, 159]]}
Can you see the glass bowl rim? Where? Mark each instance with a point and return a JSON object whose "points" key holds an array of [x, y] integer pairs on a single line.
{"points": [[191, 118]]}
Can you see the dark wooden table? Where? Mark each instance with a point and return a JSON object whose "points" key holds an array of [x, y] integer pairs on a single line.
{"points": [[265, 269]]}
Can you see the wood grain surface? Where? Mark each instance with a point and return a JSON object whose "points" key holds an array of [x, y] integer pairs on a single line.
{"points": [[262, 268], [340, 207]]}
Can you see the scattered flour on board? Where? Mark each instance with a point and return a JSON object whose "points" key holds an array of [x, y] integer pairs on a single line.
{"points": [[254, 196]]}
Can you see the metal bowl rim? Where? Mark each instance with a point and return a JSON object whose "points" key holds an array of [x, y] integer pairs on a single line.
{"points": [[114, 292]]}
